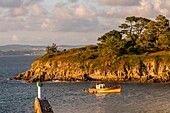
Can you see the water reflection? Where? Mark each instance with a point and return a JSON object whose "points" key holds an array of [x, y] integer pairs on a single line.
{"points": [[102, 95]]}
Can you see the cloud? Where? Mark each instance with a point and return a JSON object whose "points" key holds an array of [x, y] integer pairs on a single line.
{"points": [[76, 11], [14, 38], [17, 3], [73, 1], [23, 18], [120, 2], [9, 24], [45, 24], [165, 4], [81, 11], [18, 12], [62, 12], [160, 6], [144, 9], [76, 18], [10, 3], [37, 10]]}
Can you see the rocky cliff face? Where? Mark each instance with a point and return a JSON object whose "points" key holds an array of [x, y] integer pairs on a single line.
{"points": [[147, 70]]}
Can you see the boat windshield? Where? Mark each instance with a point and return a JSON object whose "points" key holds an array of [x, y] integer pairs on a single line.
{"points": [[99, 86]]}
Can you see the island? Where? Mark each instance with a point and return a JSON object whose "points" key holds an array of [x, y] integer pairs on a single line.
{"points": [[139, 52]]}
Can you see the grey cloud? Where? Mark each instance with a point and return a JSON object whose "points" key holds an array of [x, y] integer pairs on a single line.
{"points": [[161, 6], [20, 23], [34, 9], [79, 25], [74, 19], [6, 26], [144, 9], [10, 3], [120, 2], [73, 1], [16, 3]]}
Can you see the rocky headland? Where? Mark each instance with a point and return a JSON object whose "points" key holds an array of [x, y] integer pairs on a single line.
{"points": [[74, 66]]}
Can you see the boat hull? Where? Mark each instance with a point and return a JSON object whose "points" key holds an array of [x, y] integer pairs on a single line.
{"points": [[116, 89]]}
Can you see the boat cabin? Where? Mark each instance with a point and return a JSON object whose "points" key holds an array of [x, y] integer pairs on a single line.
{"points": [[100, 86]]}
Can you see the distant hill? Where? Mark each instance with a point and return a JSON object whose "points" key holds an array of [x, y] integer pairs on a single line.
{"points": [[16, 49]]}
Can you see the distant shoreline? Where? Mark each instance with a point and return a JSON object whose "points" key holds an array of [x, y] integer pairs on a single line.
{"points": [[17, 49]]}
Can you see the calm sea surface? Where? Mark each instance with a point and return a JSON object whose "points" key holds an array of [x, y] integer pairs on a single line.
{"points": [[67, 97]]}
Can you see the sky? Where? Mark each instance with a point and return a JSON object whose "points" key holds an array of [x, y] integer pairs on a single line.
{"points": [[69, 22]]}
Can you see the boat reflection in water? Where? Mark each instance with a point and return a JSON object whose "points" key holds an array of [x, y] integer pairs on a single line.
{"points": [[100, 88]]}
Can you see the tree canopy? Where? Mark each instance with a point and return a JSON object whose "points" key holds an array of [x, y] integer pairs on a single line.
{"points": [[137, 35]]}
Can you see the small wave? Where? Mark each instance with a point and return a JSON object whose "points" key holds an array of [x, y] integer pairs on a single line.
{"points": [[3, 78], [7, 78], [59, 81], [56, 81], [21, 81]]}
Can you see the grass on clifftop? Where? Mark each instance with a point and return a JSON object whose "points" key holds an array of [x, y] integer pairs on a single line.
{"points": [[92, 55]]}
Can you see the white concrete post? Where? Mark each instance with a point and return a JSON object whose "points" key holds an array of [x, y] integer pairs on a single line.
{"points": [[39, 84], [39, 92]]}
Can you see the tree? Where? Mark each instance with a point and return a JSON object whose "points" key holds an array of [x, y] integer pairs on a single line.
{"points": [[111, 34], [112, 43], [162, 24], [163, 42], [137, 35], [51, 49], [155, 33], [140, 25], [133, 27], [125, 28], [163, 32]]}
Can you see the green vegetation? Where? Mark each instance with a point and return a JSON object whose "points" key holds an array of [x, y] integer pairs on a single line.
{"points": [[138, 35], [52, 49], [139, 38]]}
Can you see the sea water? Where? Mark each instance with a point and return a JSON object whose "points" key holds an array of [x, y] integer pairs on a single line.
{"points": [[67, 97]]}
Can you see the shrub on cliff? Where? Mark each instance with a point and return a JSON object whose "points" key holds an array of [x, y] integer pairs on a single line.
{"points": [[51, 49]]}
